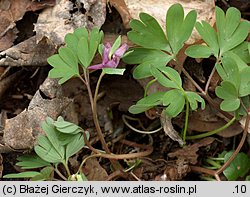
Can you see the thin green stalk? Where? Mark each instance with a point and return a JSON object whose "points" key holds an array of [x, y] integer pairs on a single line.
{"points": [[211, 132], [60, 174], [213, 163], [66, 168], [184, 132]]}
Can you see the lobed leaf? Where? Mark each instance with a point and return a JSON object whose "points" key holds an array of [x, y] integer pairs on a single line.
{"points": [[193, 99], [199, 51], [167, 77], [27, 174], [228, 92], [146, 58], [45, 174], [74, 146], [175, 101], [147, 33], [61, 68], [244, 82], [178, 29], [31, 161], [147, 103]]}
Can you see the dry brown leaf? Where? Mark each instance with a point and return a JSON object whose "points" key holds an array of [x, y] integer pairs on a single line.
{"points": [[21, 131], [189, 153], [169, 129], [122, 8], [27, 53], [12, 11], [94, 171], [207, 120], [54, 23]]}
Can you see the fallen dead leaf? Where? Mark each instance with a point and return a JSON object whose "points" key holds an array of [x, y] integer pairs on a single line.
{"points": [[94, 171], [54, 23], [21, 131], [189, 153], [12, 11]]}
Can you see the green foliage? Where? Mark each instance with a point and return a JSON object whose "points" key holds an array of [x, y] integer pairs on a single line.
{"points": [[231, 34], [156, 48], [231, 51], [81, 47], [174, 100], [62, 140], [239, 167]]}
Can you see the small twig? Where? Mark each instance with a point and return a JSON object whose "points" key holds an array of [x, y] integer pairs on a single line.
{"points": [[209, 79], [148, 151]]}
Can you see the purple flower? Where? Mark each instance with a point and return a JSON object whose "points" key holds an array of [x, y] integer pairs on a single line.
{"points": [[115, 59]]}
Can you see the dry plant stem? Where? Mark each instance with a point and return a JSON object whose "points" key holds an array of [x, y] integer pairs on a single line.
{"points": [[206, 96], [202, 170], [148, 151], [218, 172], [209, 79]]}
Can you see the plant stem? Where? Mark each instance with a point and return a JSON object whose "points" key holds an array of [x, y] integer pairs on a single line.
{"points": [[93, 107], [206, 95], [211, 132], [184, 132], [245, 132], [213, 163], [60, 174], [66, 168]]}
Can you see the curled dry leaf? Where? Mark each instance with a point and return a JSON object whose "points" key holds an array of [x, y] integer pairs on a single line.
{"points": [[54, 23], [169, 129], [21, 131], [94, 171], [27, 53], [189, 153], [12, 11]]}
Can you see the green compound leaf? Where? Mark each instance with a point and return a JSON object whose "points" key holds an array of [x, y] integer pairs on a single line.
{"points": [[167, 77], [229, 71], [242, 52], [231, 31], [74, 146], [228, 92], [66, 127], [199, 51], [175, 101], [28, 174], [244, 82], [31, 162], [146, 58], [47, 152], [178, 28], [45, 174], [239, 167], [193, 99], [147, 103], [147, 33], [65, 65], [209, 35]]}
